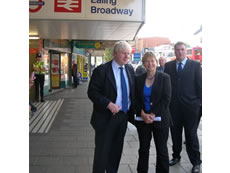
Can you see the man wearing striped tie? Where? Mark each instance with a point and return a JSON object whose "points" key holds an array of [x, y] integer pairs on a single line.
{"points": [[111, 89]]}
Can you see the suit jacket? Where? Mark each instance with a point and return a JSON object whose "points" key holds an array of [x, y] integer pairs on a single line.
{"points": [[186, 86], [102, 90], [160, 97]]}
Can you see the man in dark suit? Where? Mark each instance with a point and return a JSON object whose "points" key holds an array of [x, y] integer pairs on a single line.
{"points": [[186, 81], [111, 89]]}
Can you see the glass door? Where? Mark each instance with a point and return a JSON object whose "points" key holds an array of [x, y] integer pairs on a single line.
{"points": [[55, 70]]}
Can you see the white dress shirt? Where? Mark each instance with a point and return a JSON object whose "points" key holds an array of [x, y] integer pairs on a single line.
{"points": [[117, 75]]}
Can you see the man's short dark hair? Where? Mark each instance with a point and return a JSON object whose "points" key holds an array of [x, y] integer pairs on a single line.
{"points": [[178, 44]]}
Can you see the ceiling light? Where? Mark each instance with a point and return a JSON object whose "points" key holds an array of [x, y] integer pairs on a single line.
{"points": [[34, 37]]}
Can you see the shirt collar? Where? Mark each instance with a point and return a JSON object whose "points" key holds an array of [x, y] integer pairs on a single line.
{"points": [[116, 65], [183, 62]]}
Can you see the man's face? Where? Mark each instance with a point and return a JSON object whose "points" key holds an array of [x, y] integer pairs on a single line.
{"points": [[162, 62], [122, 57], [180, 52], [38, 58]]}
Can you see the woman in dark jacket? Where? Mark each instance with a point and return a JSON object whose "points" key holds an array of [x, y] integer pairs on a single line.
{"points": [[153, 94]]}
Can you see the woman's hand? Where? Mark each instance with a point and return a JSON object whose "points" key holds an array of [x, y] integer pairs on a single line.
{"points": [[148, 118]]}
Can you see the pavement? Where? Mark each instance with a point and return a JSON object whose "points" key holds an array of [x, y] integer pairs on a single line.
{"points": [[68, 147]]}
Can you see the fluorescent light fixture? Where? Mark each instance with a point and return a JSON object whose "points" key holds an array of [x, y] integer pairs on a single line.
{"points": [[34, 37]]}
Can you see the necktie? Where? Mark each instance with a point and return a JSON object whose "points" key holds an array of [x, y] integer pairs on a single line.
{"points": [[179, 67], [124, 92]]}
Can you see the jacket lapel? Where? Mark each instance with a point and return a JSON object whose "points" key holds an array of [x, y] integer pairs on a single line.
{"points": [[142, 85], [131, 82], [111, 75]]}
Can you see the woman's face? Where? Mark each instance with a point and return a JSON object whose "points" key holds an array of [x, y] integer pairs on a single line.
{"points": [[150, 64]]}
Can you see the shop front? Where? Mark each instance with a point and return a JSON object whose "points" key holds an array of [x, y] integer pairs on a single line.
{"points": [[58, 53], [80, 58]]}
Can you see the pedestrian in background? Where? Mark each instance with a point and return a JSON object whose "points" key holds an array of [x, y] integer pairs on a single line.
{"points": [[140, 70], [162, 62], [32, 108], [153, 94], [75, 75], [39, 70], [111, 89], [186, 81]]}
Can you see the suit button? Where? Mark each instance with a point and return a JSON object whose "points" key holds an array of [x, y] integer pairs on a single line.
{"points": [[151, 103]]}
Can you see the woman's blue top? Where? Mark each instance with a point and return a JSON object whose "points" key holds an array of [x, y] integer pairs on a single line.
{"points": [[147, 95]]}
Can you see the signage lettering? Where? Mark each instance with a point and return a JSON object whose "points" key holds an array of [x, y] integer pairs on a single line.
{"points": [[112, 2], [114, 10]]}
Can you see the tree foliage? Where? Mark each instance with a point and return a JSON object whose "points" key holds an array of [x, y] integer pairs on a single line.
{"points": [[108, 54]]}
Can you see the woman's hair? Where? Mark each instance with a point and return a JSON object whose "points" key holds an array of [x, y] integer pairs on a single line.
{"points": [[147, 55], [121, 45]]}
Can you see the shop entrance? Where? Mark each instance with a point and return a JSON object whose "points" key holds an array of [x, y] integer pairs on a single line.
{"points": [[55, 70]]}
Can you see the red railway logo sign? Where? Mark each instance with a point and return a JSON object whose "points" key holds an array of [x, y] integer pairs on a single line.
{"points": [[70, 6]]}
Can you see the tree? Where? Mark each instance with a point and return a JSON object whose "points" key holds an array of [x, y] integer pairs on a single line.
{"points": [[108, 54]]}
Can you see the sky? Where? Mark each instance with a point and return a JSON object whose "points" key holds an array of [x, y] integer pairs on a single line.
{"points": [[176, 19]]}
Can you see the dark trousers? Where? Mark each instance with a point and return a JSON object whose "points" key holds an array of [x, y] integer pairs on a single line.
{"points": [[109, 144], [187, 118], [75, 81], [39, 82], [160, 135]]}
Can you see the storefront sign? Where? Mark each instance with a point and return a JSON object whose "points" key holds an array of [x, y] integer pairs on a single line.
{"points": [[87, 44], [78, 51], [137, 56], [55, 71], [33, 50], [119, 10]]}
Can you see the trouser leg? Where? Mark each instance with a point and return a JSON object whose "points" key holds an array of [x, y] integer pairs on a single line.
{"points": [[117, 143], [100, 153], [176, 130], [145, 136], [36, 87], [192, 142], [176, 134], [160, 138], [109, 145], [42, 80]]}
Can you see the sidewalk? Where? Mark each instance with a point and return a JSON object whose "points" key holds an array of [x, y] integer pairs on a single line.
{"points": [[68, 147]]}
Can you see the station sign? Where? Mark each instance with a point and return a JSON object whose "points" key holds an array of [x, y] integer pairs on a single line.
{"points": [[118, 10], [136, 56]]}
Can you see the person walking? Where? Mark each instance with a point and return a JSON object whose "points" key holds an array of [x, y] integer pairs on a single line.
{"points": [[153, 94], [186, 81], [75, 75], [111, 89], [39, 71]]}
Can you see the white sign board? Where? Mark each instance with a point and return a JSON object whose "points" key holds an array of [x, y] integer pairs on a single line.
{"points": [[119, 10]]}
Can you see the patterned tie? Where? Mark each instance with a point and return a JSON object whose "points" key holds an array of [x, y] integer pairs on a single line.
{"points": [[124, 92], [179, 68]]}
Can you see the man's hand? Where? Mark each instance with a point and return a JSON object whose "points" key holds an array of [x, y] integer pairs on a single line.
{"points": [[113, 108]]}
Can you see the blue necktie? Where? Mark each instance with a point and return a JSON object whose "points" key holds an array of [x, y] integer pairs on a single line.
{"points": [[124, 92], [179, 68]]}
